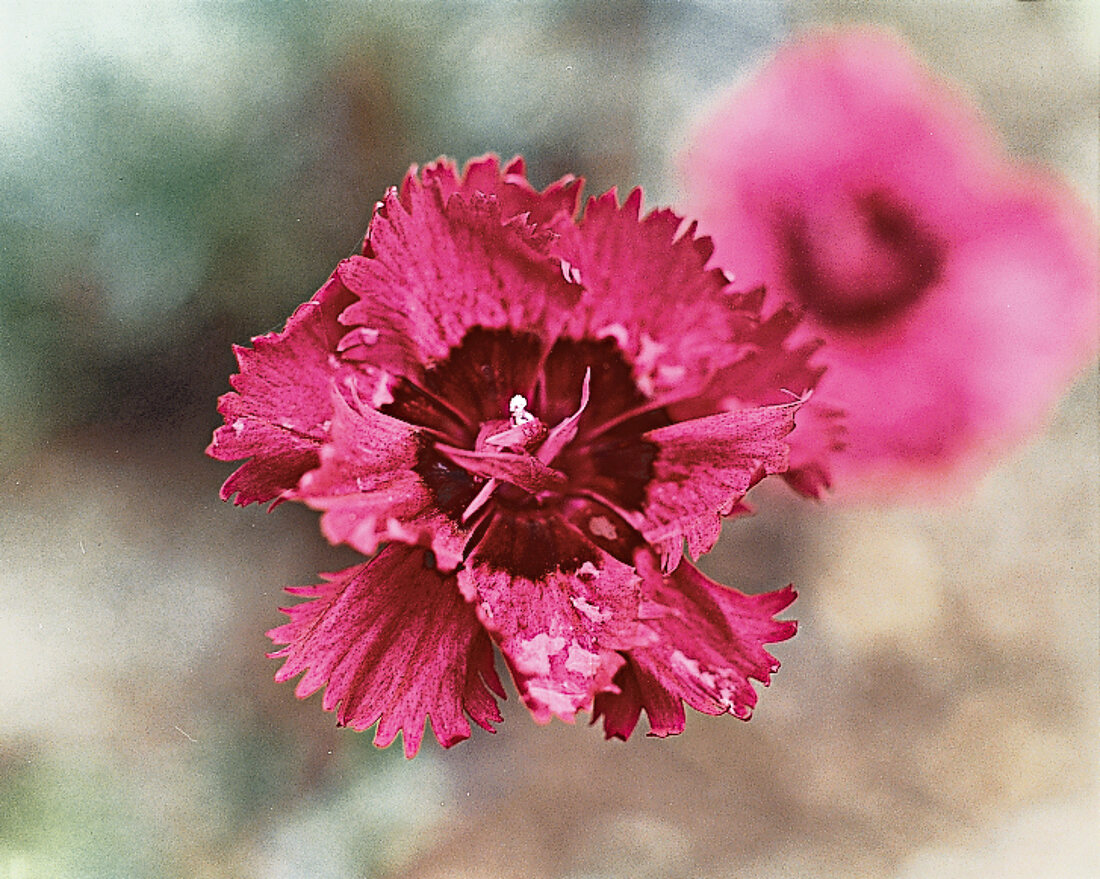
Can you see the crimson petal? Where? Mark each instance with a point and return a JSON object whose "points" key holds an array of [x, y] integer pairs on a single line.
{"points": [[558, 607], [278, 414], [370, 490], [778, 361], [710, 643], [637, 690], [440, 266], [674, 346], [702, 470], [525, 471], [396, 644], [515, 194]]}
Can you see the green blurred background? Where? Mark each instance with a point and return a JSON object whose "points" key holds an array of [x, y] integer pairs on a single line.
{"points": [[175, 177]]}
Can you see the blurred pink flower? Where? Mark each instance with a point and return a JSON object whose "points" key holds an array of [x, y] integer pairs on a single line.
{"points": [[522, 416], [956, 290]]}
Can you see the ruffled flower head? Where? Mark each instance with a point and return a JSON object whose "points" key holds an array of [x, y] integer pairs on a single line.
{"points": [[521, 416], [956, 289]]}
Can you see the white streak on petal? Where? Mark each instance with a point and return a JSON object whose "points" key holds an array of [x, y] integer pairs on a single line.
{"points": [[381, 395], [563, 705], [671, 375], [533, 657], [581, 661], [617, 332], [591, 611]]}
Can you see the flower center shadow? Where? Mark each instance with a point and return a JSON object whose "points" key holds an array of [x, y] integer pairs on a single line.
{"points": [[860, 260]]}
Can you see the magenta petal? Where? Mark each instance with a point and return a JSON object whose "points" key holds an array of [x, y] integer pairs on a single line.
{"points": [[396, 643], [280, 409], [710, 643], [509, 184], [559, 630], [775, 364], [702, 470], [440, 266], [369, 490], [819, 436], [984, 357], [525, 471], [629, 267], [778, 361], [563, 433], [637, 690], [620, 711]]}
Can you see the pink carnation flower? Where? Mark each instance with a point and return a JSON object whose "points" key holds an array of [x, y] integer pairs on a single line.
{"points": [[521, 416], [956, 290]]}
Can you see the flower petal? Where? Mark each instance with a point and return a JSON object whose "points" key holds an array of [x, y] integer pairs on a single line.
{"points": [[703, 468], [834, 116], [637, 690], [396, 643], [563, 433], [710, 643], [819, 437], [558, 607], [515, 194], [522, 470], [645, 285], [439, 266], [281, 407], [777, 363], [371, 486], [985, 354]]}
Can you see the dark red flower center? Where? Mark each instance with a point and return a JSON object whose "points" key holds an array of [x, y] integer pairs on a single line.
{"points": [[861, 260], [513, 446]]}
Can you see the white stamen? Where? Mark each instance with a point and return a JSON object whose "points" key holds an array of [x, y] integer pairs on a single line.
{"points": [[518, 407]]}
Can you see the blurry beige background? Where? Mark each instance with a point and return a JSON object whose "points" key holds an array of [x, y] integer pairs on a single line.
{"points": [[177, 176]]}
